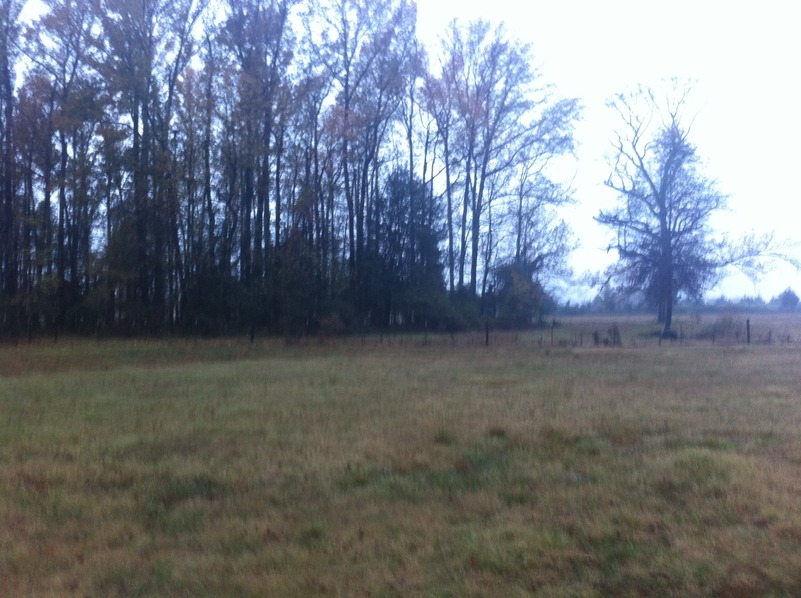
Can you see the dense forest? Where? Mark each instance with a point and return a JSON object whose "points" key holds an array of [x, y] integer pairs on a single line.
{"points": [[273, 166]]}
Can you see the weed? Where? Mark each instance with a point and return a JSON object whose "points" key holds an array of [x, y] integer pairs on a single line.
{"points": [[444, 436], [313, 534], [692, 473]]}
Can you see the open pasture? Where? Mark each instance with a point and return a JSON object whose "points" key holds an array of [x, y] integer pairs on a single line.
{"points": [[403, 467]]}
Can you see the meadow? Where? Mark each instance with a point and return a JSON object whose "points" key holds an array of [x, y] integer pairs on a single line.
{"points": [[406, 466]]}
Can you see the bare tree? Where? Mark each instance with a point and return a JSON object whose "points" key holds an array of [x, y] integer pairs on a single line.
{"points": [[663, 235]]}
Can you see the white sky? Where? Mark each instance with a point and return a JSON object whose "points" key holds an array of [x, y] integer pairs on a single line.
{"points": [[746, 59]]}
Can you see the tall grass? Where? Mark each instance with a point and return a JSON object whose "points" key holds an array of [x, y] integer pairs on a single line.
{"points": [[229, 469]]}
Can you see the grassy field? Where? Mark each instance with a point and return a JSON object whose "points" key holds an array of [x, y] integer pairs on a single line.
{"points": [[405, 466]]}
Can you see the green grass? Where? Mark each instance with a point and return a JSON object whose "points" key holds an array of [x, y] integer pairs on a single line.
{"points": [[402, 468]]}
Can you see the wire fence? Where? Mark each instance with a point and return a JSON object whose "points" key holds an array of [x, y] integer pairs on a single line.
{"points": [[586, 333]]}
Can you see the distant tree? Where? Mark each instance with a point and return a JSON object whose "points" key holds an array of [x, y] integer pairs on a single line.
{"points": [[520, 300], [788, 299], [663, 239]]}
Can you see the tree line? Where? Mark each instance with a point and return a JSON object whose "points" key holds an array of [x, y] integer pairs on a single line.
{"points": [[274, 165]]}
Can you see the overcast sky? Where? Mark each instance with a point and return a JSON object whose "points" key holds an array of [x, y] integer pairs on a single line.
{"points": [[745, 57]]}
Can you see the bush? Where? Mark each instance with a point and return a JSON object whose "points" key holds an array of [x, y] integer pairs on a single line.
{"points": [[724, 329]]}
